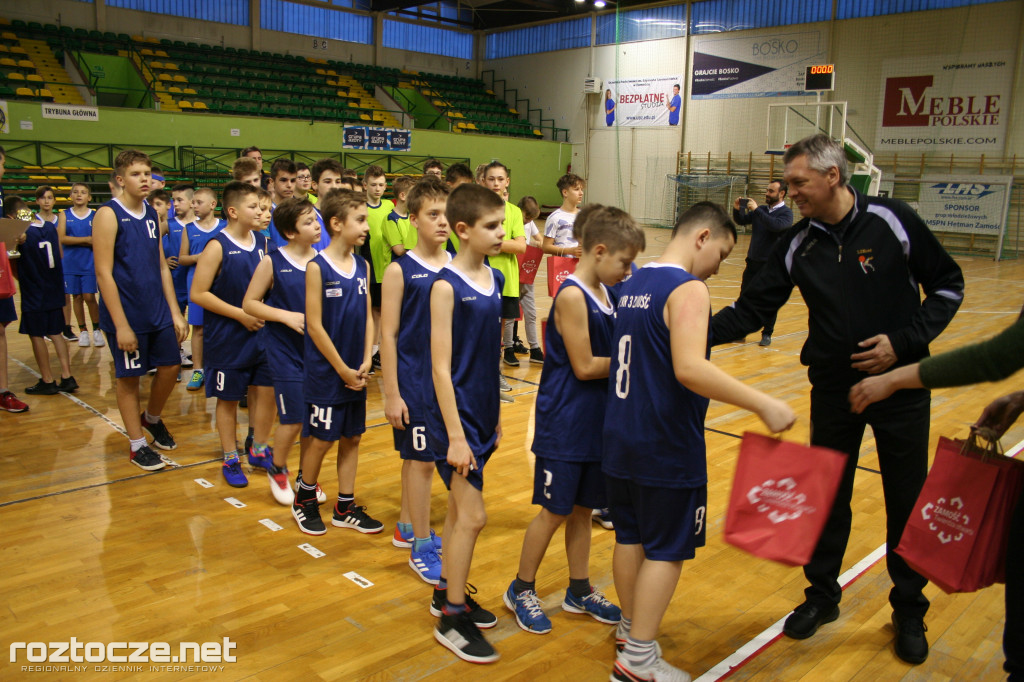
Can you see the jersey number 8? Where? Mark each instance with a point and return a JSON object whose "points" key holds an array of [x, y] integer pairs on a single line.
{"points": [[622, 373]]}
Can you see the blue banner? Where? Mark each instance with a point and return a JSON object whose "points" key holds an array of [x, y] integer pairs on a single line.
{"points": [[376, 139]]}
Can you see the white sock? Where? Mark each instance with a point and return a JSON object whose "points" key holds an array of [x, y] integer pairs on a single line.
{"points": [[138, 444]]}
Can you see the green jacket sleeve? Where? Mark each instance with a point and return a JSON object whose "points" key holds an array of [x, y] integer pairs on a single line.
{"points": [[992, 360]]}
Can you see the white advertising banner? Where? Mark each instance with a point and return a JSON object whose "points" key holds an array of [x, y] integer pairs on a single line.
{"points": [[973, 204], [945, 104], [650, 101], [771, 65], [70, 112]]}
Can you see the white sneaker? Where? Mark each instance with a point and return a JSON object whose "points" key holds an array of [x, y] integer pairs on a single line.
{"points": [[83, 339], [503, 384], [280, 487], [97, 338], [659, 671]]}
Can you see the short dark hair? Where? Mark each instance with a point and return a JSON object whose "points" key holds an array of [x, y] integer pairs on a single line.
{"points": [[497, 164], [705, 214], [320, 166], [245, 165], [468, 202], [529, 206], [427, 189], [783, 185], [287, 213], [282, 166], [596, 224], [299, 166], [254, 148], [349, 173], [129, 157], [458, 171], [432, 163], [159, 195], [81, 184], [12, 204], [183, 187], [43, 189], [338, 203], [373, 171], [401, 184], [235, 192], [570, 180]]}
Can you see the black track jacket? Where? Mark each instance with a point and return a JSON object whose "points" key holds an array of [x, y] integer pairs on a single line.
{"points": [[862, 283]]}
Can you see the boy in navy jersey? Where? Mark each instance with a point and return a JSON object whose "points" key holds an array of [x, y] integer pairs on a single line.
{"points": [[181, 197], [277, 295], [42, 300], [661, 376], [138, 310], [233, 354], [336, 362], [45, 199], [567, 479], [405, 363], [463, 420], [197, 235], [74, 225]]}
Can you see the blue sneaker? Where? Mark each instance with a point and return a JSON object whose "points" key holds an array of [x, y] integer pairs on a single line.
{"points": [[526, 605], [258, 461], [233, 473], [403, 540], [196, 381], [594, 604], [426, 564]]}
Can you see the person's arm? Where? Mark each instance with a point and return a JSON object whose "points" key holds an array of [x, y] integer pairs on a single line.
{"points": [[371, 330], [180, 325], [253, 304], [206, 271], [777, 221], [104, 233], [442, 305], [571, 316], [316, 331], [392, 291], [686, 314], [772, 288], [548, 247], [993, 360], [185, 258], [740, 218], [62, 232], [393, 237]]}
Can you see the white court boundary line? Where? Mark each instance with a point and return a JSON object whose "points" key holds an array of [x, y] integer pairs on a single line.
{"points": [[89, 408], [766, 638]]}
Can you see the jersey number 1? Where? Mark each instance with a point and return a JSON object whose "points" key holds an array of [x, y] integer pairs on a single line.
{"points": [[622, 373]]}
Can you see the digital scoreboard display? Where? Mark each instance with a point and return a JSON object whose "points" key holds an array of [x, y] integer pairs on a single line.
{"points": [[820, 77]]}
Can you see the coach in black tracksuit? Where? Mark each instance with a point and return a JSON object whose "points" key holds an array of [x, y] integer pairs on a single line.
{"points": [[768, 223], [860, 263]]}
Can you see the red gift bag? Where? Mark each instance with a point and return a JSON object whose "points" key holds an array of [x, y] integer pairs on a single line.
{"points": [[7, 288], [781, 497], [957, 534], [529, 264], [559, 268]]}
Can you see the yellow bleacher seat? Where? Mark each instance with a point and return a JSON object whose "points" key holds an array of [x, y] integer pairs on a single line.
{"points": [[7, 35], [17, 49], [43, 92], [7, 61], [321, 72], [25, 92], [178, 78], [36, 78], [537, 132], [184, 104], [175, 89], [156, 65], [170, 66], [164, 77], [190, 91], [160, 53], [146, 52], [364, 117], [26, 64], [15, 76], [199, 105]]}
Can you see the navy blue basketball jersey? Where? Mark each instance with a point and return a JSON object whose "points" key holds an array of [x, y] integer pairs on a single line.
{"points": [[227, 344], [78, 259], [172, 247], [198, 238], [39, 269], [415, 382], [476, 337], [137, 271], [570, 412], [654, 426], [282, 344], [343, 315]]}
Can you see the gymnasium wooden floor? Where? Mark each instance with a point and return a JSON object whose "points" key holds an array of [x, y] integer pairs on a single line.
{"points": [[97, 550]]}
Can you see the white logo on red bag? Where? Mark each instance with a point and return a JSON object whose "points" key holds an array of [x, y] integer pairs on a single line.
{"points": [[529, 265], [779, 500], [955, 521]]}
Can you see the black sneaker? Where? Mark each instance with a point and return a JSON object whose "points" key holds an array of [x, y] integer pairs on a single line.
{"points": [[307, 514], [911, 644], [43, 388], [161, 436], [68, 385], [461, 636], [145, 458], [480, 616], [69, 335], [356, 517], [375, 360], [518, 347], [508, 356], [537, 355], [766, 340], [807, 618]]}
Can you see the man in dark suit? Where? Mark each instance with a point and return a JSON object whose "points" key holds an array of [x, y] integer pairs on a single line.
{"points": [[769, 221]]}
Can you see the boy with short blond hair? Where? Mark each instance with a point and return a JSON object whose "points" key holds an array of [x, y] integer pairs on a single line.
{"points": [[138, 309]]}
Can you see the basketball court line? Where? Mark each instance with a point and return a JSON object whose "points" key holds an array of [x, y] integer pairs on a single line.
{"points": [[773, 633], [89, 408]]}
